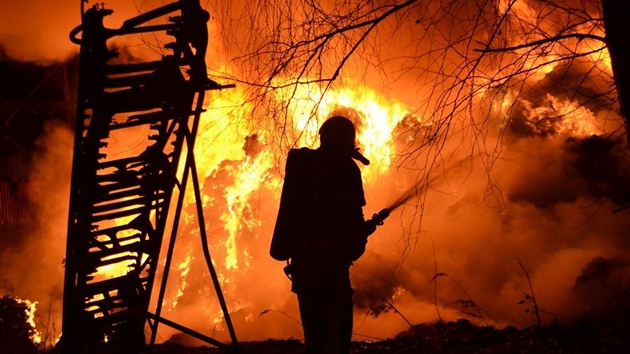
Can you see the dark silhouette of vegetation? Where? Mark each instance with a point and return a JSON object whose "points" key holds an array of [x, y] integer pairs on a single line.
{"points": [[530, 299], [15, 331]]}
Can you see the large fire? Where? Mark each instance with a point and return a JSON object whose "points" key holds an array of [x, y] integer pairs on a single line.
{"points": [[243, 178], [508, 183]]}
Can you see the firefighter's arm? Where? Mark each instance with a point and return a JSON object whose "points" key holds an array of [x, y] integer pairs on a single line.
{"points": [[365, 230]]}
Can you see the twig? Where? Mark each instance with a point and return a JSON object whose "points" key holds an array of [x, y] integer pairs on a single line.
{"points": [[434, 280], [532, 297], [402, 316], [473, 304], [282, 312], [48, 322], [580, 36]]}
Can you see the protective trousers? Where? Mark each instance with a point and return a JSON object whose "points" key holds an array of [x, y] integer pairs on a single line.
{"points": [[326, 319]]}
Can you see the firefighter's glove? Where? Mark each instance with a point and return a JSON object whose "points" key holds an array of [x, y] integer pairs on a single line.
{"points": [[370, 227], [288, 270]]}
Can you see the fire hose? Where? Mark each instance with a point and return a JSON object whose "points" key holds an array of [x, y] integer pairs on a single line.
{"points": [[379, 218]]}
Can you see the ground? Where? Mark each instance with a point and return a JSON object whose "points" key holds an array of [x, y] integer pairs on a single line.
{"points": [[595, 334]]}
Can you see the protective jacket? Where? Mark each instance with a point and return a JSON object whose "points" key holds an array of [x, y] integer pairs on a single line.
{"points": [[320, 223]]}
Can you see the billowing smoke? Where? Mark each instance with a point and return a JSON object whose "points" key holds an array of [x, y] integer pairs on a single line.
{"points": [[552, 217], [36, 31], [33, 267]]}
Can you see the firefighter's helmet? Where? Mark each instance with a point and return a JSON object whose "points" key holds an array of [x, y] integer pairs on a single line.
{"points": [[338, 133]]}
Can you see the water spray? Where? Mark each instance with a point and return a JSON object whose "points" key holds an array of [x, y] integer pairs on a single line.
{"points": [[379, 218]]}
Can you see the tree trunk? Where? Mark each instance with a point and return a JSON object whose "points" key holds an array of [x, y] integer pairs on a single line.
{"points": [[616, 15]]}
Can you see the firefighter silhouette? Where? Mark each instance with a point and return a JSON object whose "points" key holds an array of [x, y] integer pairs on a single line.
{"points": [[321, 231]]}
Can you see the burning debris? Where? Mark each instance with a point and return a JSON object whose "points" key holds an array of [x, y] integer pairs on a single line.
{"points": [[18, 334], [589, 335]]}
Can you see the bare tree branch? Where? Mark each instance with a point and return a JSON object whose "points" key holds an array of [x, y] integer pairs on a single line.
{"points": [[579, 36]]}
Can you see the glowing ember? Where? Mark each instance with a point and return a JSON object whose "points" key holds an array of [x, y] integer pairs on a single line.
{"points": [[31, 308], [562, 117]]}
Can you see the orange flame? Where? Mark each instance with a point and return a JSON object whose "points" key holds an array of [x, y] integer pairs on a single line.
{"points": [[376, 117], [562, 117], [248, 178], [31, 308], [184, 269]]}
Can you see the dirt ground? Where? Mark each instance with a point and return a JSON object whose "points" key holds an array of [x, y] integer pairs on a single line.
{"points": [[601, 334]]}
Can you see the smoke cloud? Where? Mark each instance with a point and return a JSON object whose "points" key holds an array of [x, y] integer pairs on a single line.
{"points": [[466, 259], [34, 266], [37, 31]]}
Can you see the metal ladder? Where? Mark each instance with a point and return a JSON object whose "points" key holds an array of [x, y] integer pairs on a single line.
{"points": [[121, 205]]}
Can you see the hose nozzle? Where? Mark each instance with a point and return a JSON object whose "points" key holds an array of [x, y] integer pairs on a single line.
{"points": [[376, 220]]}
